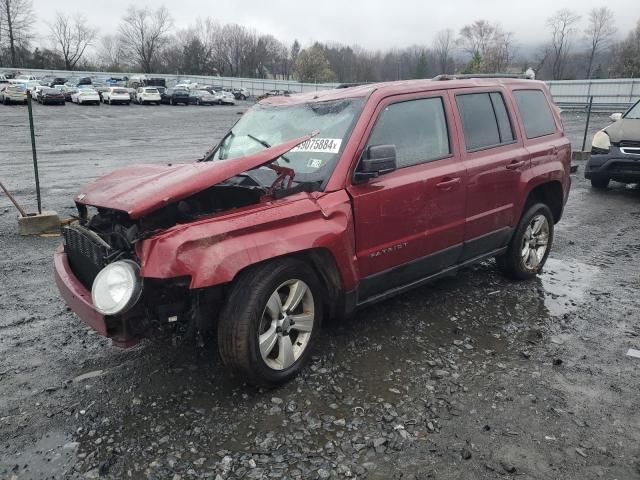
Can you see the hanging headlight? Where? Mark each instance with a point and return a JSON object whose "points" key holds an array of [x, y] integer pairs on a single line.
{"points": [[117, 287]]}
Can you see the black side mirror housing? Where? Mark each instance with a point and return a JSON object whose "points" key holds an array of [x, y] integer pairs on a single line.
{"points": [[376, 160]]}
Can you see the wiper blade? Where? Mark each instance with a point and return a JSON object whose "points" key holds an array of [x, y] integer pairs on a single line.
{"points": [[208, 155], [266, 144]]}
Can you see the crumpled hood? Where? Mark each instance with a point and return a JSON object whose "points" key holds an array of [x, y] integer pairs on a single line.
{"points": [[141, 189], [624, 129]]}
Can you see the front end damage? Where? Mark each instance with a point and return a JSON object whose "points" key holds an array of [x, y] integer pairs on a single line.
{"points": [[108, 237], [104, 237]]}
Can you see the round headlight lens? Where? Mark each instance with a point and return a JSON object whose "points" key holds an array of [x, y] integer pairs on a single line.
{"points": [[117, 287]]}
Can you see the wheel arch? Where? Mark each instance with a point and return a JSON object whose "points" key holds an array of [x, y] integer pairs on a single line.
{"points": [[551, 194], [324, 265]]}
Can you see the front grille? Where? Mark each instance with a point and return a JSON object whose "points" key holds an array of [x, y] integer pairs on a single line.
{"points": [[86, 252], [630, 143]]}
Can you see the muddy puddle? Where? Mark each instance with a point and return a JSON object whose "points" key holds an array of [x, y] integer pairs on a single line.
{"points": [[566, 285]]}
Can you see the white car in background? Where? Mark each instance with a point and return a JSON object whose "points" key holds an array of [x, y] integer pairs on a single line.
{"points": [[85, 95], [147, 95], [23, 79], [225, 98], [116, 95], [35, 92], [30, 86]]}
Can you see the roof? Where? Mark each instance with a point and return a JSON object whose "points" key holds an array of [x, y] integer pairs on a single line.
{"points": [[393, 88]]}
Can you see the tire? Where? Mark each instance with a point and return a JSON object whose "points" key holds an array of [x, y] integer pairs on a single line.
{"points": [[600, 183], [246, 315], [521, 264]]}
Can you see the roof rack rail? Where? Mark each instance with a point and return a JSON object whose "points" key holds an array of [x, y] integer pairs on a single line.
{"points": [[480, 75]]}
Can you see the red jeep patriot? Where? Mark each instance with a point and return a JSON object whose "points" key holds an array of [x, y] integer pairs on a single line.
{"points": [[314, 205]]}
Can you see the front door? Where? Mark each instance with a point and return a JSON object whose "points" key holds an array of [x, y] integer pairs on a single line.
{"points": [[410, 222]]}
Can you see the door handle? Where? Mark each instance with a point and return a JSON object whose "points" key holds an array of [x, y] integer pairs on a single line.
{"points": [[515, 165], [447, 182]]}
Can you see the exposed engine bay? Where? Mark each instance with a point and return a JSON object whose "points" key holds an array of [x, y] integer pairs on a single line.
{"points": [[104, 236]]}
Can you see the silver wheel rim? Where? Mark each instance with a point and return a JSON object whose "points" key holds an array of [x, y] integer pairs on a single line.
{"points": [[286, 324], [535, 242]]}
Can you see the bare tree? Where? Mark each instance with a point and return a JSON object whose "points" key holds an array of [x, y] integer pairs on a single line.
{"points": [[490, 47], [71, 37], [16, 25], [477, 37], [500, 53], [562, 26], [110, 52], [599, 32], [443, 45], [143, 33], [232, 46]]}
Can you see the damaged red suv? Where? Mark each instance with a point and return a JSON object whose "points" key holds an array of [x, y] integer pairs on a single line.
{"points": [[317, 204]]}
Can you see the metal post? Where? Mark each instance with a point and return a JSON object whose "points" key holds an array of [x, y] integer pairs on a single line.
{"points": [[33, 150], [586, 127]]}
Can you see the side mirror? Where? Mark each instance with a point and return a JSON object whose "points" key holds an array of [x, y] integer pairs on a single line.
{"points": [[376, 160], [615, 117]]}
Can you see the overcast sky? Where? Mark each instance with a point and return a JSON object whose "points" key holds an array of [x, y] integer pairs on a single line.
{"points": [[373, 24]]}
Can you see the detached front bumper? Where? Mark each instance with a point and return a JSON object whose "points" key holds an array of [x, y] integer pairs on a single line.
{"points": [[615, 165], [78, 298]]}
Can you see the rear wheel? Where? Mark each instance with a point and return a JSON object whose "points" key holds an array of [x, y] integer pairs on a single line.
{"points": [[600, 183], [530, 244], [272, 316]]}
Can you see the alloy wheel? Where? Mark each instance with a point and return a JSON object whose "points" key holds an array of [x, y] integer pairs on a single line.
{"points": [[286, 324], [535, 242]]}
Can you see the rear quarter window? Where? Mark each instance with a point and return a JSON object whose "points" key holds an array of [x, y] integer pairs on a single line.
{"points": [[535, 113]]}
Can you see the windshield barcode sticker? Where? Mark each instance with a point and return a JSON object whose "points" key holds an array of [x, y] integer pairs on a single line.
{"points": [[319, 145]]}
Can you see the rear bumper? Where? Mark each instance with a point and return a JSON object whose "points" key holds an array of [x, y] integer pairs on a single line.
{"points": [[78, 298], [614, 165]]}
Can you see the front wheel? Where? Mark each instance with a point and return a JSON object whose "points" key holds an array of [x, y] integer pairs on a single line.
{"points": [[600, 183], [530, 244], [268, 325]]}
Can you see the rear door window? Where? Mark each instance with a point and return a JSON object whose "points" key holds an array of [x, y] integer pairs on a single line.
{"points": [[485, 120], [535, 112], [418, 129]]}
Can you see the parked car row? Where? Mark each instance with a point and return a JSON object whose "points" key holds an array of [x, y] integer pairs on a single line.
{"points": [[88, 95]]}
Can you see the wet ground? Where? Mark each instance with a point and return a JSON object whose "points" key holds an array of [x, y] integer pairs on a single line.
{"points": [[472, 377]]}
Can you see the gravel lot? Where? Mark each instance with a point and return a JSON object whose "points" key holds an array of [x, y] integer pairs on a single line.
{"points": [[472, 377]]}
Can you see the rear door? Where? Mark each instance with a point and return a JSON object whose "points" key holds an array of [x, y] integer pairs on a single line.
{"points": [[410, 223], [495, 159]]}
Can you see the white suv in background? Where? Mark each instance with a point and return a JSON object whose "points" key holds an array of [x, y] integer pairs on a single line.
{"points": [[147, 95], [116, 95]]}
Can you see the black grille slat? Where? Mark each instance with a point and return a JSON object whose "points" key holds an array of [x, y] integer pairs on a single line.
{"points": [[630, 143], [86, 252]]}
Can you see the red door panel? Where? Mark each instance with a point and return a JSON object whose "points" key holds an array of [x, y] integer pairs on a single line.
{"points": [[404, 217]]}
